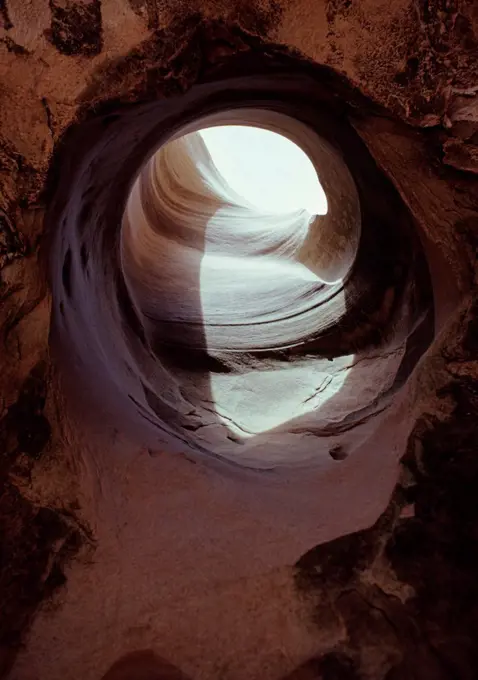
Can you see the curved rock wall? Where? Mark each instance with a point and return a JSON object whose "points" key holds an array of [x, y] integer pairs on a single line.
{"points": [[264, 368], [179, 540]]}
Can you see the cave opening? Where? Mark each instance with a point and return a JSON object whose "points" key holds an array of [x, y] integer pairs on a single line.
{"points": [[214, 351], [311, 394]]}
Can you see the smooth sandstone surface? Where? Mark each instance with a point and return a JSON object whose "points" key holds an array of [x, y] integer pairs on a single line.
{"points": [[115, 541]]}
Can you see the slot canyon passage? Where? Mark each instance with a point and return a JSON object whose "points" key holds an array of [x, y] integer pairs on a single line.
{"points": [[239, 380]]}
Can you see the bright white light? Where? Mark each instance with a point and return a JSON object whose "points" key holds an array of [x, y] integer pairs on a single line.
{"points": [[267, 169], [276, 178], [253, 403]]}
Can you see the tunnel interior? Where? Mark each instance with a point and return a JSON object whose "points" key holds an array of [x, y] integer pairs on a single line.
{"points": [[238, 314], [233, 332]]}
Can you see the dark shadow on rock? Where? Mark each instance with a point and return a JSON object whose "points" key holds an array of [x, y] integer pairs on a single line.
{"points": [[76, 28], [331, 666], [143, 665]]}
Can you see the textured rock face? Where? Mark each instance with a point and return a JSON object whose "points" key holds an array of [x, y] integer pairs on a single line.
{"points": [[197, 365], [86, 88]]}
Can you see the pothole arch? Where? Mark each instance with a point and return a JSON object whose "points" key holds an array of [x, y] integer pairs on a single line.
{"points": [[280, 374]]}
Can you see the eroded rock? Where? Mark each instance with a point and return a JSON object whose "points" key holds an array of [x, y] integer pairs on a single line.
{"points": [[393, 601]]}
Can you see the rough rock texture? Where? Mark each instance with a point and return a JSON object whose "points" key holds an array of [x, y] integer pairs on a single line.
{"points": [[397, 600]]}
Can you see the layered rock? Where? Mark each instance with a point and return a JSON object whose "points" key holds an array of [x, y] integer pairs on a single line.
{"points": [[393, 89]]}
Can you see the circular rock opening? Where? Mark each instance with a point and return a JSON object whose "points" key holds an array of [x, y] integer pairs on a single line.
{"points": [[266, 329], [237, 213], [231, 246]]}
